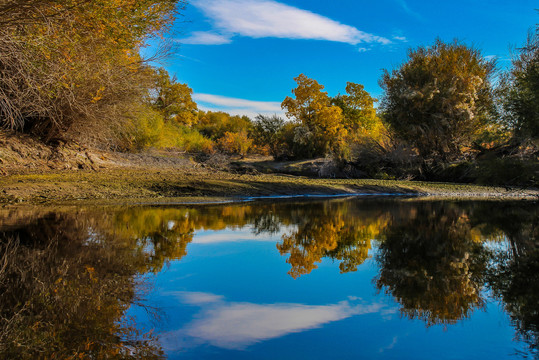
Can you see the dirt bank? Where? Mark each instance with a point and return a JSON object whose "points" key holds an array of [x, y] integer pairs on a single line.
{"points": [[34, 173], [151, 185]]}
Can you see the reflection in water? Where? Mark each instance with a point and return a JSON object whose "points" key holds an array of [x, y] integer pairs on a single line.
{"points": [[63, 291], [514, 275], [67, 277], [236, 325], [339, 230], [431, 264]]}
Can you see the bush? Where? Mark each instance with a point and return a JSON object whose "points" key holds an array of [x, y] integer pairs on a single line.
{"points": [[267, 133], [147, 128], [439, 99], [193, 141], [235, 143], [386, 161], [144, 130], [214, 125], [71, 68], [507, 171]]}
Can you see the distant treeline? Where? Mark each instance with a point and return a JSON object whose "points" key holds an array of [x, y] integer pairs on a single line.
{"points": [[72, 70]]}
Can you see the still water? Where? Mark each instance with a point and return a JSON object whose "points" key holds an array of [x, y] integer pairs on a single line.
{"points": [[321, 279]]}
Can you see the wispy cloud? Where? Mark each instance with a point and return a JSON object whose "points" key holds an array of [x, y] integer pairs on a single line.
{"points": [[400, 38], [237, 325], [235, 106], [188, 58], [390, 346], [407, 9], [206, 38], [268, 18]]}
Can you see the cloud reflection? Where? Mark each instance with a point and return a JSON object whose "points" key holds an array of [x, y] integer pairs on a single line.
{"points": [[237, 325], [225, 236]]}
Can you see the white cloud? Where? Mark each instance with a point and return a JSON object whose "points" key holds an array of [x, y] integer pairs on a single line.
{"points": [[400, 38], [363, 50], [205, 38], [235, 106], [237, 325], [268, 18]]}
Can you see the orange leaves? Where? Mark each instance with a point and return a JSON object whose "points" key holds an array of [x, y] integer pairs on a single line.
{"points": [[235, 143], [99, 95]]}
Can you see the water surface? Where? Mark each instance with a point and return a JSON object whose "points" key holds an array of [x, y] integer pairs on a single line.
{"points": [[327, 278]]}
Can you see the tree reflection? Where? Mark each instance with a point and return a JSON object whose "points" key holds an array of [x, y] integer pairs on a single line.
{"points": [[514, 275], [338, 230], [63, 293], [430, 263]]}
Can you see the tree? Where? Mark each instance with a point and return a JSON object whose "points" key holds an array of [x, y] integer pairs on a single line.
{"points": [[235, 143], [358, 111], [439, 98], [432, 264], [70, 66], [322, 128], [173, 99], [267, 131], [521, 93], [341, 231], [214, 125]]}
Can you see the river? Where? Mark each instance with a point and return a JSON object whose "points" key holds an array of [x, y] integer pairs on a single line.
{"points": [[343, 278]]}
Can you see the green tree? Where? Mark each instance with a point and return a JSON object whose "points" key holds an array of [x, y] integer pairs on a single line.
{"points": [[439, 98], [521, 93], [267, 131]]}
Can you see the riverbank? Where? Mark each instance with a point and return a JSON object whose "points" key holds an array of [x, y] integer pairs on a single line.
{"points": [[33, 173], [208, 185]]}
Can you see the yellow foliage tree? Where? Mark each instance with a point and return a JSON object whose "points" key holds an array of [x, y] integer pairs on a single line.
{"points": [[70, 66], [323, 131]]}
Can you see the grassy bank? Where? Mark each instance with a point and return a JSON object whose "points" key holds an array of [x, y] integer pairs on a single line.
{"points": [[194, 185]]}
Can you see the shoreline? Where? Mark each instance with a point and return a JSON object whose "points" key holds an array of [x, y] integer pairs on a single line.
{"points": [[174, 186]]}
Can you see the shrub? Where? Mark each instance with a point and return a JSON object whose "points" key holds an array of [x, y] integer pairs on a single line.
{"points": [[235, 143], [439, 98], [71, 68], [144, 130], [507, 171]]}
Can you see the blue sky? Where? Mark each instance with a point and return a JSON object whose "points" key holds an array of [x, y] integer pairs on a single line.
{"points": [[241, 56]]}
